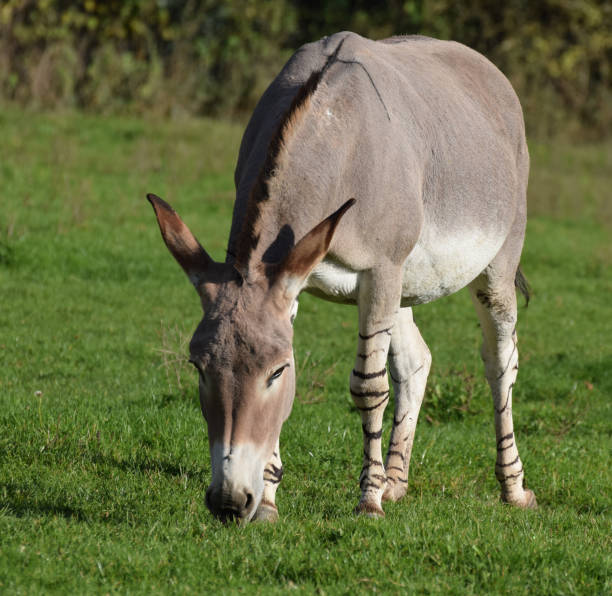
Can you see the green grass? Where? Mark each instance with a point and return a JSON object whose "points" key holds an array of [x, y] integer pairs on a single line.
{"points": [[103, 450]]}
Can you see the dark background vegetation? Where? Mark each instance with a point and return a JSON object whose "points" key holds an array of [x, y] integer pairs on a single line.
{"points": [[215, 57]]}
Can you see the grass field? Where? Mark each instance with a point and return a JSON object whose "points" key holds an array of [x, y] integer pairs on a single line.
{"points": [[103, 451]]}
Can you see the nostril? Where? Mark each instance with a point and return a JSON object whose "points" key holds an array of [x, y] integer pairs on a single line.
{"points": [[249, 501], [228, 506]]}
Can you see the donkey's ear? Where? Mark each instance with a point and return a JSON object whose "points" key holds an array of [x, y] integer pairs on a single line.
{"points": [[181, 242], [291, 273]]}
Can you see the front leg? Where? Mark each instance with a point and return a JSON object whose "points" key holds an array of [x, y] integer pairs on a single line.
{"points": [[379, 297], [273, 474]]}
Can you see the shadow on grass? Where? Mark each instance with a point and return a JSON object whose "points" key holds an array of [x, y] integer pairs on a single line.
{"points": [[20, 502], [147, 466]]}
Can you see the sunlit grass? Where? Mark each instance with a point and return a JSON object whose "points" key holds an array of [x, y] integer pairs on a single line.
{"points": [[103, 450]]}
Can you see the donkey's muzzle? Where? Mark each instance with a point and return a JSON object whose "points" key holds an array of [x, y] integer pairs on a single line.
{"points": [[235, 505]]}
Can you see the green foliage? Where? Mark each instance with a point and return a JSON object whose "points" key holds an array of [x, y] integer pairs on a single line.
{"points": [[557, 53], [217, 56], [103, 450], [164, 57]]}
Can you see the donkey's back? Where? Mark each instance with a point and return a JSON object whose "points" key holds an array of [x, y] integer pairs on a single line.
{"points": [[427, 134]]}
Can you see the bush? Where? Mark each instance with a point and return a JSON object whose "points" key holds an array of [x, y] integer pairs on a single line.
{"points": [[217, 56]]}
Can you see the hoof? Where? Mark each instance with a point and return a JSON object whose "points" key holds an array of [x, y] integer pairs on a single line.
{"points": [[394, 491], [369, 510], [528, 500], [266, 512]]}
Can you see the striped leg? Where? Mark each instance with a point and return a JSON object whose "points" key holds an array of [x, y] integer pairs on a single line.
{"points": [[369, 383], [497, 313], [273, 474], [409, 363]]}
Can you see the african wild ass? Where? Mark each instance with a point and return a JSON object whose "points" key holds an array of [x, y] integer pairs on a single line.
{"points": [[427, 136]]}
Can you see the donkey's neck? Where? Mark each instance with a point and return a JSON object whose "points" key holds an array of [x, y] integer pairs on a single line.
{"points": [[295, 193]]}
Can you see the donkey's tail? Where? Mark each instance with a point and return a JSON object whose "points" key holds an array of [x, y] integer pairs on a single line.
{"points": [[523, 285]]}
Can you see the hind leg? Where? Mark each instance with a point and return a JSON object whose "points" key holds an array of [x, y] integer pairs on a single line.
{"points": [[409, 363], [495, 302]]}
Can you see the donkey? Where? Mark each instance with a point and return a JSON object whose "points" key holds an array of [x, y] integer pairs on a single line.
{"points": [[417, 149]]}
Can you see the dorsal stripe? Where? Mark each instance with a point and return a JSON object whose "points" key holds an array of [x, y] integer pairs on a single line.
{"points": [[249, 234]]}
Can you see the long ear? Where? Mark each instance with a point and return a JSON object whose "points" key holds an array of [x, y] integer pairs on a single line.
{"points": [[181, 242], [292, 272]]}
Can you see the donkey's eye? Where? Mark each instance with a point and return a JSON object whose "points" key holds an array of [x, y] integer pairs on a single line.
{"points": [[276, 374]]}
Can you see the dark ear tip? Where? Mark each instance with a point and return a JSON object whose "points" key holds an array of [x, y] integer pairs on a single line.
{"points": [[342, 210], [158, 202], [347, 205]]}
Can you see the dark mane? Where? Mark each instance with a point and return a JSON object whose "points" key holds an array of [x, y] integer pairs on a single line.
{"points": [[249, 235]]}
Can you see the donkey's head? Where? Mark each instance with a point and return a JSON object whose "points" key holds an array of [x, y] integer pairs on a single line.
{"points": [[243, 351]]}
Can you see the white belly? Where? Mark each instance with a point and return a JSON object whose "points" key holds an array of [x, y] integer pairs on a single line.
{"points": [[441, 265], [333, 281], [436, 267]]}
